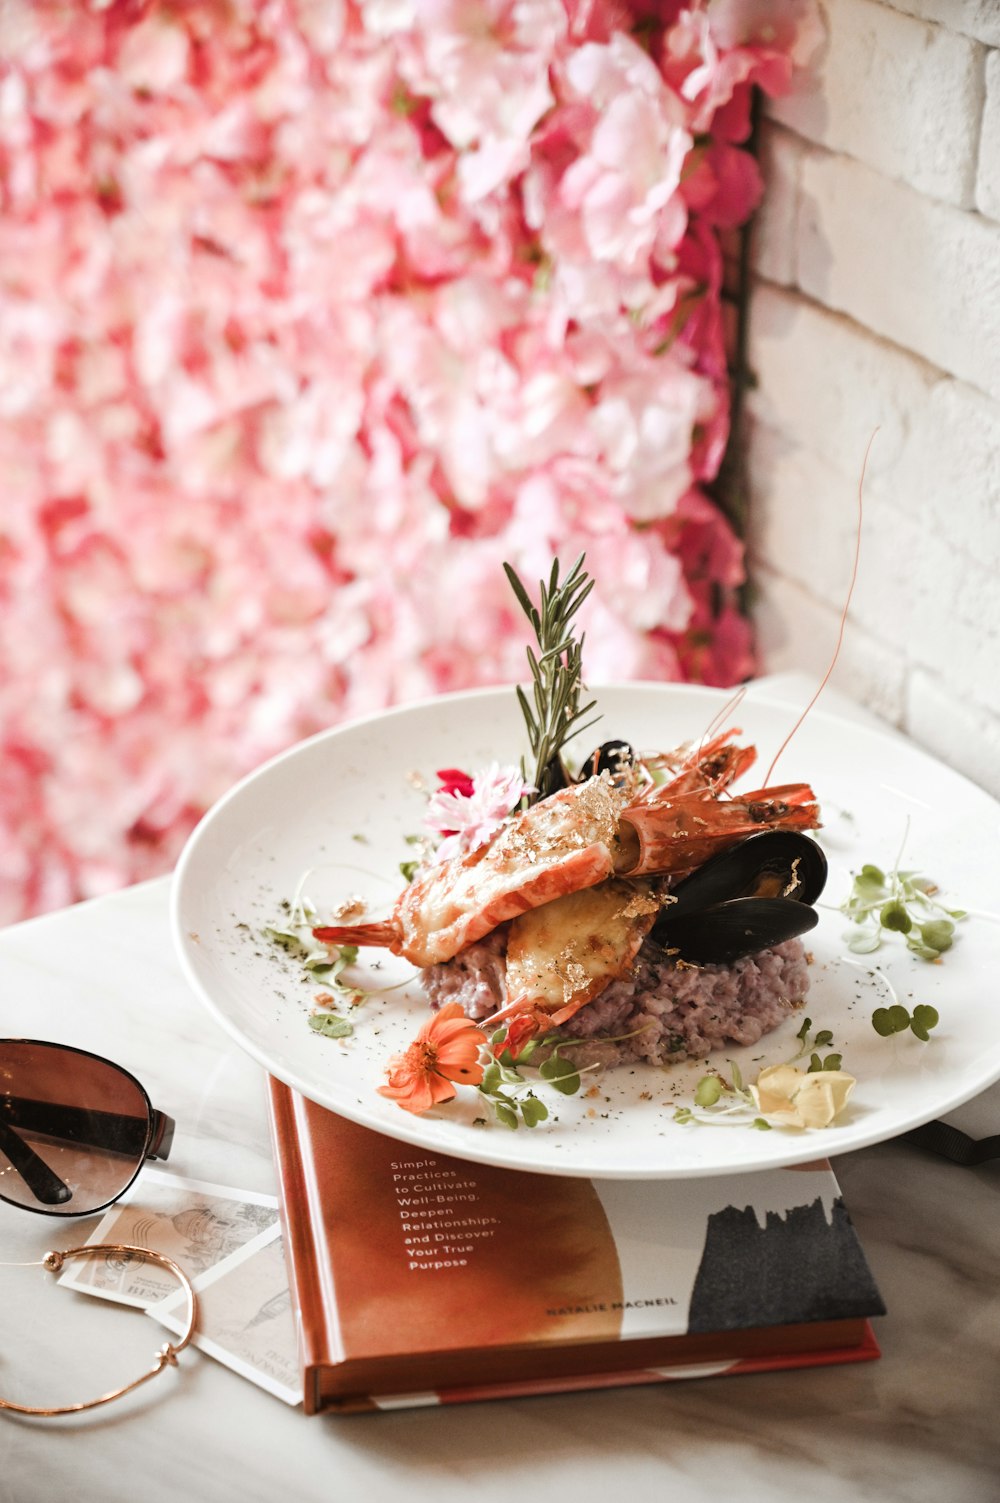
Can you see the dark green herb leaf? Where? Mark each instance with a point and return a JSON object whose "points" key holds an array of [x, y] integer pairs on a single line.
{"points": [[894, 916], [555, 1066], [491, 1079], [505, 1114], [924, 1019], [937, 933], [533, 1111]]}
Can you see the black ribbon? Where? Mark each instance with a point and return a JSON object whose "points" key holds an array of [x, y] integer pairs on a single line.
{"points": [[953, 1144]]}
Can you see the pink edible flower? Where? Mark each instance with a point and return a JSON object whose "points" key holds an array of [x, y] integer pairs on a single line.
{"points": [[454, 780], [468, 820]]}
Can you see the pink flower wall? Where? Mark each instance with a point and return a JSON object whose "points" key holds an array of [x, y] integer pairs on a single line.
{"points": [[311, 313]]}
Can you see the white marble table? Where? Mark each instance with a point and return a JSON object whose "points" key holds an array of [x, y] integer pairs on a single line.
{"points": [[918, 1425]]}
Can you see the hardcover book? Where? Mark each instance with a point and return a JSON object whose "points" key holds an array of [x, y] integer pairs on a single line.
{"points": [[424, 1279]]}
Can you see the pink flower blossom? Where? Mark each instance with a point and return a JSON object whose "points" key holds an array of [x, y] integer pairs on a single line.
{"points": [[469, 820], [311, 315]]}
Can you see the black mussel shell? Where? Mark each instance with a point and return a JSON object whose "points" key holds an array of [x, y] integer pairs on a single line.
{"points": [[728, 931], [754, 895], [553, 777], [769, 864], [610, 756]]}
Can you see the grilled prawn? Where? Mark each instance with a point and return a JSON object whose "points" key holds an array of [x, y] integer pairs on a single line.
{"points": [[569, 842]]}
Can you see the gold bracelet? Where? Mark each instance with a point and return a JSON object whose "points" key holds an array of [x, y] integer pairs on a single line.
{"points": [[165, 1357]]}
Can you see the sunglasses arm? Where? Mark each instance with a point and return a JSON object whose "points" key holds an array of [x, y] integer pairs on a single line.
{"points": [[44, 1185], [78, 1125], [163, 1136]]}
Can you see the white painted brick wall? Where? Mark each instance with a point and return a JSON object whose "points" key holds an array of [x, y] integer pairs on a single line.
{"points": [[973, 18], [901, 95], [988, 180], [877, 306], [924, 274]]}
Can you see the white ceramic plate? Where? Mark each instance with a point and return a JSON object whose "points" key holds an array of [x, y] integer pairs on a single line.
{"points": [[344, 802]]}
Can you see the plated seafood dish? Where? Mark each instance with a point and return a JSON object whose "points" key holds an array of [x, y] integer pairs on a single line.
{"points": [[317, 837], [637, 909], [669, 913]]}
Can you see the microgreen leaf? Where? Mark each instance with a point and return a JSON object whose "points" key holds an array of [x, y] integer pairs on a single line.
{"points": [[330, 1025], [923, 1020], [533, 1111], [286, 937], [894, 916], [505, 1114], [889, 1020], [864, 944], [708, 1091], [491, 1079], [924, 952], [904, 902], [560, 1074], [937, 933]]}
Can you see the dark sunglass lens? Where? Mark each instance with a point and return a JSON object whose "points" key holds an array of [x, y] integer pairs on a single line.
{"points": [[73, 1129]]}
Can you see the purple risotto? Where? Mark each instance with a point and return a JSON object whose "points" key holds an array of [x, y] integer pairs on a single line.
{"points": [[670, 1011]]}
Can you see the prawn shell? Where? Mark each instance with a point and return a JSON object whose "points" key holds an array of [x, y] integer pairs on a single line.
{"points": [[565, 953], [683, 831]]}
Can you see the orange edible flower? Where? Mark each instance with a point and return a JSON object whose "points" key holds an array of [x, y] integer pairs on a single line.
{"points": [[444, 1051]]}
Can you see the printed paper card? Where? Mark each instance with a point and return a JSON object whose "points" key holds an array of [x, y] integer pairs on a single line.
{"points": [[245, 1318], [195, 1223]]}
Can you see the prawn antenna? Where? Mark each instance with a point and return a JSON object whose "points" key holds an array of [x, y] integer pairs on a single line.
{"points": [[729, 708], [843, 616]]}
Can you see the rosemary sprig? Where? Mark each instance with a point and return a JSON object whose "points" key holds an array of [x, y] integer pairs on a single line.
{"points": [[555, 672]]}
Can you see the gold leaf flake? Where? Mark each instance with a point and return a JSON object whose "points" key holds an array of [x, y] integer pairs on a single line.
{"points": [[352, 907]]}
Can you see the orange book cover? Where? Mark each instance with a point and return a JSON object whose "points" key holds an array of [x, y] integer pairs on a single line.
{"points": [[424, 1279]]}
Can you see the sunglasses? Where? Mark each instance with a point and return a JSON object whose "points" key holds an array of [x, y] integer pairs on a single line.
{"points": [[75, 1129]]}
